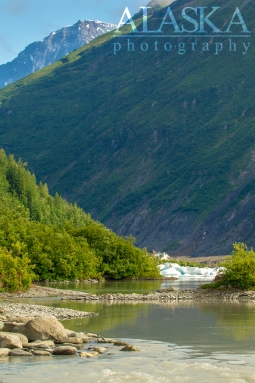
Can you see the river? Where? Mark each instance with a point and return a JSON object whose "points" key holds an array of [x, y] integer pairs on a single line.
{"points": [[179, 342]]}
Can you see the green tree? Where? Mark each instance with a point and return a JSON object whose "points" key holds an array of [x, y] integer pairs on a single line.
{"points": [[239, 267]]}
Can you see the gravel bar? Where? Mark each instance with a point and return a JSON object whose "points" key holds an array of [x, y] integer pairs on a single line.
{"points": [[28, 310]]}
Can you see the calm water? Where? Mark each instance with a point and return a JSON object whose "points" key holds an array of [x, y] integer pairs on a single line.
{"points": [[125, 287], [179, 342]]}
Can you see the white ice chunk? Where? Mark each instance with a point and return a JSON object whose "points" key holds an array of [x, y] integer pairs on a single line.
{"points": [[174, 270]]}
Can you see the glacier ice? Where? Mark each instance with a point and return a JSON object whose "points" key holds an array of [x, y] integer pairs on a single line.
{"points": [[174, 270]]}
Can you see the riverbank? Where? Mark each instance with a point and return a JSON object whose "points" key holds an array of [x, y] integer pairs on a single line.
{"points": [[161, 295]]}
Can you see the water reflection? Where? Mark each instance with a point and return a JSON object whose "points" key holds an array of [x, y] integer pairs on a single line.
{"points": [[126, 287], [208, 326], [236, 319]]}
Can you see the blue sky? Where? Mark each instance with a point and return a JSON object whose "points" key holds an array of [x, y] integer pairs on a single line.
{"points": [[25, 21]]}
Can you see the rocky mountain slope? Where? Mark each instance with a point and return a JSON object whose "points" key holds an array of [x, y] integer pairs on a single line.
{"points": [[155, 144], [53, 47]]}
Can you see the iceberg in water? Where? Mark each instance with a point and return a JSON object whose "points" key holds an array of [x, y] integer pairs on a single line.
{"points": [[175, 270]]}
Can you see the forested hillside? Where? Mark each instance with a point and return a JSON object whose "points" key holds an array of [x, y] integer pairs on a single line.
{"points": [[44, 237], [155, 144]]}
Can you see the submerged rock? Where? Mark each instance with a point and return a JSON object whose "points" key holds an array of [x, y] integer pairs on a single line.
{"points": [[120, 343], [64, 350], [129, 347]]}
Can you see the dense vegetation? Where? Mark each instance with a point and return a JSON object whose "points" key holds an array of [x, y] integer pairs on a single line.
{"points": [[44, 237], [155, 135], [239, 269]]}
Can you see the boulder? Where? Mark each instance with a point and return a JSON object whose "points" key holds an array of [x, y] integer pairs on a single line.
{"points": [[19, 319], [41, 344], [2, 310], [64, 350], [41, 353], [89, 354], [4, 352], [43, 329], [77, 346], [70, 333], [120, 343], [18, 352], [1, 325], [10, 341], [100, 350], [90, 335], [3, 318], [23, 339], [83, 336], [75, 340], [9, 326], [129, 347]]}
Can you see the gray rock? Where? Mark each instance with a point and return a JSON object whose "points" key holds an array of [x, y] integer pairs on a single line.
{"points": [[64, 350], [10, 341], [18, 352], [43, 329]]}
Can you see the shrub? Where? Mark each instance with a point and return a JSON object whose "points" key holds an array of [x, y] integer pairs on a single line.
{"points": [[240, 267], [15, 273]]}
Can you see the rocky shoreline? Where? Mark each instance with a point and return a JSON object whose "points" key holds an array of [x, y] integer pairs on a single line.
{"points": [[39, 311], [170, 294], [33, 337]]}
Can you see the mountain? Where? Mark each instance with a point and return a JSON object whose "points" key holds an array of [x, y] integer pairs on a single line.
{"points": [[155, 144], [53, 47]]}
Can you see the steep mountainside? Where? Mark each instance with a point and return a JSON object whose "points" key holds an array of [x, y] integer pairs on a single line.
{"points": [[55, 46], [155, 144]]}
